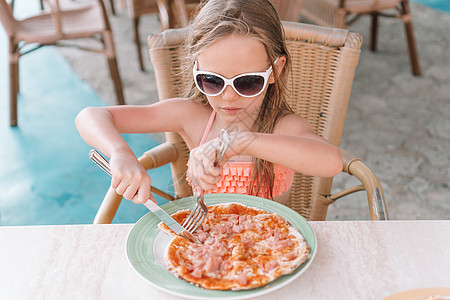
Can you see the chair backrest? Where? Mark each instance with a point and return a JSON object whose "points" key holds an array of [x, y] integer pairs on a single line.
{"points": [[323, 66], [7, 18], [142, 7]]}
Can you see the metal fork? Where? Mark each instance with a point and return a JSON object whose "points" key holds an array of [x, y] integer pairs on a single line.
{"points": [[198, 214]]}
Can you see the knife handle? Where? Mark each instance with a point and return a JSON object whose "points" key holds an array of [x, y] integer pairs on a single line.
{"points": [[100, 161]]}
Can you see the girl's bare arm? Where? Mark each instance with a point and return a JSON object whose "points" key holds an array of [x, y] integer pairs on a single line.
{"points": [[101, 127], [294, 145]]}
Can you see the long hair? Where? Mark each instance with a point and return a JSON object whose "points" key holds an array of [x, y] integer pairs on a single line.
{"points": [[258, 19]]}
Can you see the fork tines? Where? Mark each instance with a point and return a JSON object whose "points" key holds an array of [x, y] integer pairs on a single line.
{"points": [[197, 216]]}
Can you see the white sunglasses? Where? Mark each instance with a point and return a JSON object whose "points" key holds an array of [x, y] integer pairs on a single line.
{"points": [[246, 85]]}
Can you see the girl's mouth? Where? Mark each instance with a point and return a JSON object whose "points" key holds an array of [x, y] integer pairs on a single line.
{"points": [[231, 110]]}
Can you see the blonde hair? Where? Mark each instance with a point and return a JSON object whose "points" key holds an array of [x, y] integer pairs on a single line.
{"points": [[258, 19]]}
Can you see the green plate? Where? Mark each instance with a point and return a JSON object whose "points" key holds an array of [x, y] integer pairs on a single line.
{"points": [[146, 245]]}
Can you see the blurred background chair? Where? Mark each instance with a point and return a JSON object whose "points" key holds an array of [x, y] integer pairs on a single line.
{"points": [[56, 27], [342, 13], [288, 10], [323, 66], [182, 11], [171, 13], [138, 8]]}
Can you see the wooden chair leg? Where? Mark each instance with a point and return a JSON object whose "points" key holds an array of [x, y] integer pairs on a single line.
{"points": [[108, 208], [374, 32], [112, 63], [164, 14], [412, 50], [173, 23], [137, 42], [13, 82], [13, 90], [113, 9], [413, 56], [114, 70]]}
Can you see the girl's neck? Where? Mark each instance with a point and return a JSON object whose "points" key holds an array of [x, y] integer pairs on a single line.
{"points": [[237, 125]]}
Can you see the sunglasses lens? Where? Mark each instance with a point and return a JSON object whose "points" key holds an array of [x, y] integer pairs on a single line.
{"points": [[209, 84], [249, 85]]}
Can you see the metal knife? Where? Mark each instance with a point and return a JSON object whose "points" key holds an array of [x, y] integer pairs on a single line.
{"points": [[103, 163]]}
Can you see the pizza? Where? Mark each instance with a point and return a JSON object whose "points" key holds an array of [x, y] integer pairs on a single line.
{"points": [[241, 248]]}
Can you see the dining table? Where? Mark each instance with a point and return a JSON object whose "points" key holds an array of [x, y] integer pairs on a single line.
{"points": [[354, 260]]}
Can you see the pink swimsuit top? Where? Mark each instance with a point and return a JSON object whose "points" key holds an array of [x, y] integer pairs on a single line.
{"points": [[237, 176]]}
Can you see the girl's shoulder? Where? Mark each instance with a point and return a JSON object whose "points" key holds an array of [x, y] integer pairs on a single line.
{"points": [[184, 108], [192, 118], [176, 115], [189, 107], [181, 102]]}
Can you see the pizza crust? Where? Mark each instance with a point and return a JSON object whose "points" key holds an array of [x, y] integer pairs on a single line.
{"points": [[242, 248]]}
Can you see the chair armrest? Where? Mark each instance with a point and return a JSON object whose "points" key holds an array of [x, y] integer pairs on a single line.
{"points": [[106, 23], [158, 156], [375, 196]]}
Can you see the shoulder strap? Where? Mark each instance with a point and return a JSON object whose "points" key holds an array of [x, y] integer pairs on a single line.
{"points": [[208, 127]]}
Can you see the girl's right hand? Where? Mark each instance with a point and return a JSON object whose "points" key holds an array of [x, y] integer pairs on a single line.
{"points": [[129, 178]]}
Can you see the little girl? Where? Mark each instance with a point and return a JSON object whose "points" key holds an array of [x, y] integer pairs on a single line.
{"points": [[240, 63]]}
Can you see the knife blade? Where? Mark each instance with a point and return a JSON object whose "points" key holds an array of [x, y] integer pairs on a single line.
{"points": [[169, 221], [103, 163]]}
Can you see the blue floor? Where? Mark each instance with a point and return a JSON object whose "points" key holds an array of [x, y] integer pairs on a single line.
{"points": [[46, 176], [442, 5]]}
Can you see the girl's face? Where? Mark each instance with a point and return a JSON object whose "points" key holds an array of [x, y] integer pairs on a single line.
{"points": [[231, 56]]}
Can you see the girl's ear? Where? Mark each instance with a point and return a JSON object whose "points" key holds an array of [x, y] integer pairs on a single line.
{"points": [[278, 68]]}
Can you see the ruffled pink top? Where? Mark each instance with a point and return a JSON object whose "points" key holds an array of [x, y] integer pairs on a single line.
{"points": [[237, 176]]}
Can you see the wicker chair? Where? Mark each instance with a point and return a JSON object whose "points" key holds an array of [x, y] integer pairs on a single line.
{"points": [[171, 13], [324, 61], [342, 13], [51, 28]]}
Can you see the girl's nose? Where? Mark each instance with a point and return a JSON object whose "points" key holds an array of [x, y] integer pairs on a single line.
{"points": [[229, 94]]}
